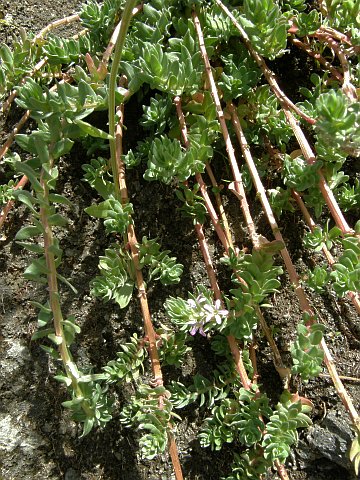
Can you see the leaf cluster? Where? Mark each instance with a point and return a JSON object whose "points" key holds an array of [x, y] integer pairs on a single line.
{"points": [[238, 418], [346, 271], [206, 391], [306, 352], [129, 363], [319, 237], [16, 62], [266, 27], [193, 204], [281, 430], [150, 411], [116, 280], [159, 264], [117, 217]]}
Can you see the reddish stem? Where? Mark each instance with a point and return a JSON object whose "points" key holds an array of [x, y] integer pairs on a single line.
{"points": [[269, 75], [148, 325], [307, 48], [353, 296], [304, 303], [347, 87], [10, 203]]}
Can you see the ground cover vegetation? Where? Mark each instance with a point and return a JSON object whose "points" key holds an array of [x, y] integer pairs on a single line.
{"points": [[201, 73]]}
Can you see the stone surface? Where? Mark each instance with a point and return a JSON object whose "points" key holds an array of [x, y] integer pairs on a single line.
{"points": [[332, 439]]}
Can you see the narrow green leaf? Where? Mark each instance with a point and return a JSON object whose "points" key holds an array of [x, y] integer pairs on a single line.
{"points": [[6, 54], [30, 173], [51, 351], [44, 308], [25, 197], [88, 425], [28, 232], [42, 333], [55, 338], [62, 147], [91, 130], [57, 220], [32, 247], [36, 268], [56, 198], [63, 379], [64, 280]]}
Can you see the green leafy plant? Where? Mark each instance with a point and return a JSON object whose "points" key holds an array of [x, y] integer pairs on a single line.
{"points": [[179, 64], [266, 27], [144, 411], [116, 281], [346, 273], [306, 353], [319, 238]]}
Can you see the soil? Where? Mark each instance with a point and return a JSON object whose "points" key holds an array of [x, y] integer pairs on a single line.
{"points": [[37, 438]]}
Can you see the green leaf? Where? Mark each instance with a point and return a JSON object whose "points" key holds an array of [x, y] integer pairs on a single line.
{"points": [[55, 338], [88, 425], [30, 173], [32, 247], [57, 220], [123, 295], [91, 130], [63, 379], [6, 54], [100, 210], [56, 198], [42, 333], [62, 147], [35, 271], [64, 280], [51, 351], [26, 198], [28, 232]]}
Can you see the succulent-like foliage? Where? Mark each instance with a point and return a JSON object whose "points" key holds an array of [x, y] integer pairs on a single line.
{"points": [[338, 120], [236, 418], [129, 363], [16, 62], [306, 352], [116, 281], [281, 430], [266, 27], [161, 59], [159, 264], [150, 411], [346, 274], [117, 216], [193, 204], [319, 237]]}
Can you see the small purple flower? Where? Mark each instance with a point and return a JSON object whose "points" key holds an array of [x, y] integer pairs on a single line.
{"points": [[197, 327], [215, 312], [203, 312]]}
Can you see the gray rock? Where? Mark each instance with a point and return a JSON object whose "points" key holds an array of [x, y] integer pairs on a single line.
{"points": [[71, 474], [332, 439]]}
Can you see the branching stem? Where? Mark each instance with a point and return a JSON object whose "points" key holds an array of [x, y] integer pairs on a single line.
{"points": [[148, 325], [54, 300], [124, 25], [353, 296], [304, 303], [234, 347], [318, 57], [269, 75], [56, 24]]}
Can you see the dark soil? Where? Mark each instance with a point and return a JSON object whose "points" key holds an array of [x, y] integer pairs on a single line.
{"points": [[37, 438]]}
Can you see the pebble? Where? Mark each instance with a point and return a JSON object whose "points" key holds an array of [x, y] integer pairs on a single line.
{"points": [[71, 474]]}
